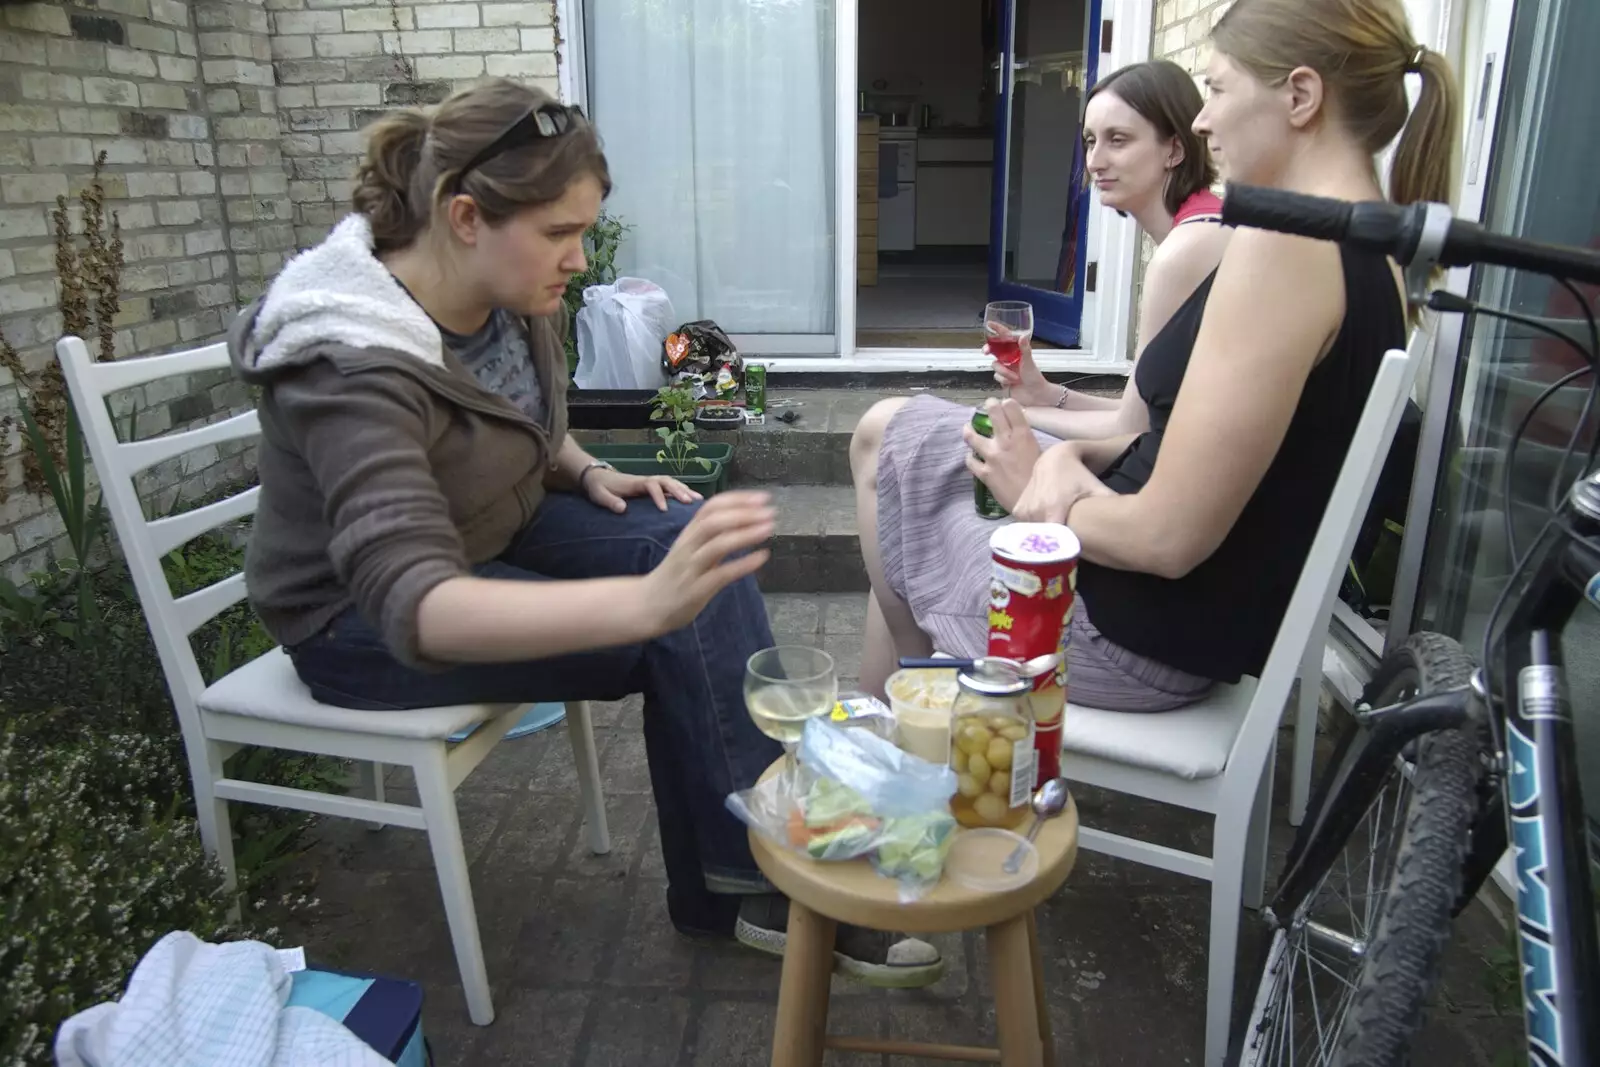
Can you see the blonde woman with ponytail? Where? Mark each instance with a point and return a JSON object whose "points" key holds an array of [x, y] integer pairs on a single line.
{"points": [[1195, 529], [428, 534]]}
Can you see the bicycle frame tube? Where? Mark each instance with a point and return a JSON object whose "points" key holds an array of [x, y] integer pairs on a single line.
{"points": [[1556, 937], [1361, 763]]}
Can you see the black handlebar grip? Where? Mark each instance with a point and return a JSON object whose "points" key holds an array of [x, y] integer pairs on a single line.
{"points": [[1286, 212]]}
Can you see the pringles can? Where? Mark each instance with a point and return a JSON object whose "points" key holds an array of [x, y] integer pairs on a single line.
{"points": [[1030, 602]]}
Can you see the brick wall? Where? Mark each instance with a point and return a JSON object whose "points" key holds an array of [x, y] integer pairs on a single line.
{"points": [[232, 130], [1179, 34], [1181, 27], [342, 64]]}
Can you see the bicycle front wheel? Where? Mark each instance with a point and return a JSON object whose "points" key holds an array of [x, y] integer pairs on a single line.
{"points": [[1349, 971]]}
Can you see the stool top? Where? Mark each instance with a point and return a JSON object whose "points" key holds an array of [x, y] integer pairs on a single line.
{"points": [[853, 892]]}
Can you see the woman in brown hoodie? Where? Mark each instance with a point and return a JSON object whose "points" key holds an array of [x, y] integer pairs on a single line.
{"points": [[427, 532]]}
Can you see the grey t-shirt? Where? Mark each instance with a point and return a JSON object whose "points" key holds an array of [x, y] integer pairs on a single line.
{"points": [[497, 355]]}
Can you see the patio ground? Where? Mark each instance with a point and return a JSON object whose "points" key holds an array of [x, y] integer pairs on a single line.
{"points": [[587, 971]]}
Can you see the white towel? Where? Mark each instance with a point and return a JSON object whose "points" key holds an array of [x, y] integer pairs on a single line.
{"points": [[195, 1004]]}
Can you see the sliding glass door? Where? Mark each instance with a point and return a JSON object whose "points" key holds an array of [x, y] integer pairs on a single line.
{"points": [[1543, 185], [719, 119]]}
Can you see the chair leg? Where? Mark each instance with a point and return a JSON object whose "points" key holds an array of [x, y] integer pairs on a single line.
{"points": [[1223, 947], [1037, 963], [801, 1033], [580, 731], [1016, 997], [211, 812], [371, 785], [450, 859], [1255, 849], [1305, 726]]}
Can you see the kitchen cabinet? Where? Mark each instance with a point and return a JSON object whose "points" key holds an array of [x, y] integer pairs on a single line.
{"points": [[955, 175]]}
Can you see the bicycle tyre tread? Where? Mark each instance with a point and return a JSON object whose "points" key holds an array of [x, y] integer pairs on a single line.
{"points": [[1405, 954]]}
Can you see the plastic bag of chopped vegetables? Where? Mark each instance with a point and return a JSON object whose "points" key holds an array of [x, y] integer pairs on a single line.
{"points": [[853, 795]]}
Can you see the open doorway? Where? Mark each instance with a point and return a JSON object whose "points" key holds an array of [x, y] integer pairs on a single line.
{"points": [[940, 135]]}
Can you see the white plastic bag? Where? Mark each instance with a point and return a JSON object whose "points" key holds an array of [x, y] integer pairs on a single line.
{"points": [[620, 331]]}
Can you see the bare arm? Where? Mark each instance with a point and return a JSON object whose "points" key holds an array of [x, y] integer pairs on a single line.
{"points": [[1275, 306]]}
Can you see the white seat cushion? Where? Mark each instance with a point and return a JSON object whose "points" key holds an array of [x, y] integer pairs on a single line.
{"points": [[269, 688], [1190, 744]]}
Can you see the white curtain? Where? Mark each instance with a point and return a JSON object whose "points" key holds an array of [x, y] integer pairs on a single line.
{"points": [[717, 117]]}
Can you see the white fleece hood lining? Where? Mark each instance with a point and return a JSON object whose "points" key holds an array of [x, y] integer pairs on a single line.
{"points": [[339, 292]]}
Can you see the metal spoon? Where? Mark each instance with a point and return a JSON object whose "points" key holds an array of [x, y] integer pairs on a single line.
{"points": [[1049, 801], [1031, 668]]}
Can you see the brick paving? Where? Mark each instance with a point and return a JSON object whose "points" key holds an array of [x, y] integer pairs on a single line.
{"points": [[587, 971]]}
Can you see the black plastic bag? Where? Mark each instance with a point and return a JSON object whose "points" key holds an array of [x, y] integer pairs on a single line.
{"points": [[702, 354]]}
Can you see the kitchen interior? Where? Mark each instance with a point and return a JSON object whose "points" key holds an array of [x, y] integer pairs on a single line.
{"points": [[927, 95]]}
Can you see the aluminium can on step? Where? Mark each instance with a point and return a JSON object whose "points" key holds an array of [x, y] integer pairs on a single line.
{"points": [[1030, 602], [755, 388]]}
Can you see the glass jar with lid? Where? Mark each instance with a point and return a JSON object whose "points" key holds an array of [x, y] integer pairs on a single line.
{"points": [[991, 744]]}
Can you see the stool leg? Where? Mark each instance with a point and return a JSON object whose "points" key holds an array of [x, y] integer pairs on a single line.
{"points": [[1016, 997], [1045, 1037], [802, 1029]]}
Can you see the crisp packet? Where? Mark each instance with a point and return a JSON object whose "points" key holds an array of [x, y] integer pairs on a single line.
{"points": [[854, 794]]}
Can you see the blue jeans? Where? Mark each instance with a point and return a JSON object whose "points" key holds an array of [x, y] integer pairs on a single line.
{"points": [[699, 740]]}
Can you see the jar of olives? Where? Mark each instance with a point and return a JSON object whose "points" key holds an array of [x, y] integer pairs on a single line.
{"points": [[991, 744]]}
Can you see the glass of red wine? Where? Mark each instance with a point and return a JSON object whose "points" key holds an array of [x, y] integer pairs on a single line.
{"points": [[1008, 325]]}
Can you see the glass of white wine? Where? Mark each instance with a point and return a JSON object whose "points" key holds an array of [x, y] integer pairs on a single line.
{"points": [[785, 686]]}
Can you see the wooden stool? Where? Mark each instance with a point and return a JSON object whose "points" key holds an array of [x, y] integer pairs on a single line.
{"points": [[822, 895]]}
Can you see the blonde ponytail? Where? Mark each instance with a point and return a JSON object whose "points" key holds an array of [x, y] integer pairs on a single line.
{"points": [[1424, 162]]}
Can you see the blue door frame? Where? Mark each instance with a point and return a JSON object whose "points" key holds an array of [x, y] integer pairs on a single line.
{"points": [[1057, 316]]}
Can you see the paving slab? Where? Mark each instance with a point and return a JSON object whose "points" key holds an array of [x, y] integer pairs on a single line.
{"points": [[586, 970]]}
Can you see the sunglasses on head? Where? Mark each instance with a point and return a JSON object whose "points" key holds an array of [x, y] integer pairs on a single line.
{"points": [[548, 120]]}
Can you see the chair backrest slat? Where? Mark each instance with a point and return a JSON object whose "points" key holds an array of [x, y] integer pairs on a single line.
{"points": [[168, 533], [108, 378], [1312, 601], [142, 455], [201, 606], [145, 542]]}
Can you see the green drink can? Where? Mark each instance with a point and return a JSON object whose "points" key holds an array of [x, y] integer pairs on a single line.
{"points": [[755, 388], [987, 505]]}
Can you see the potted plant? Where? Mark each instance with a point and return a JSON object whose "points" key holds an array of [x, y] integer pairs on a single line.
{"points": [[680, 453]]}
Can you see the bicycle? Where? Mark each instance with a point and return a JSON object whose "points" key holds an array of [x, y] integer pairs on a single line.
{"points": [[1445, 761]]}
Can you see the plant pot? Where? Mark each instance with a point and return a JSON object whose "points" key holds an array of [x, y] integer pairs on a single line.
{"points": [[609, 409], [718, 452], [707, 483]]}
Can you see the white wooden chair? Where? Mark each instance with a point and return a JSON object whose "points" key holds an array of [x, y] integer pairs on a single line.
{"points": [[1308, 701], [1217, 756], [264, 702]]}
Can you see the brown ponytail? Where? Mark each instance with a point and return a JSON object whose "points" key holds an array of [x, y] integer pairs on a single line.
{"points": [[1362, 49], [414, 158], [386, 181], [1424, 163]]}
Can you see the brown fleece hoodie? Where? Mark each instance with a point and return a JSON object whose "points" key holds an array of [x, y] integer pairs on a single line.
{"points": [[385, 468]]}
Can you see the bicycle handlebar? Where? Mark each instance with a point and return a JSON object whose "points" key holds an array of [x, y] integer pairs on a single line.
{"points": [[1397, 230]]}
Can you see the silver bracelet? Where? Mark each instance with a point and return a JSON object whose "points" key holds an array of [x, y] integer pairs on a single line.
{"points": [[1061, 401]]}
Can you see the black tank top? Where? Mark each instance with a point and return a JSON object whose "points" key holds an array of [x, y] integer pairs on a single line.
{"points": [[1219, 620]]}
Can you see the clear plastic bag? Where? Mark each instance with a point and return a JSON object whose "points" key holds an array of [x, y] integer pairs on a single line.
{"points": [[855, 794], [620, 331]]}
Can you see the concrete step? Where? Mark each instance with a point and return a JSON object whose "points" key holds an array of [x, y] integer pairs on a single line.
{"points": [[817, 548], [812, 450]]}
